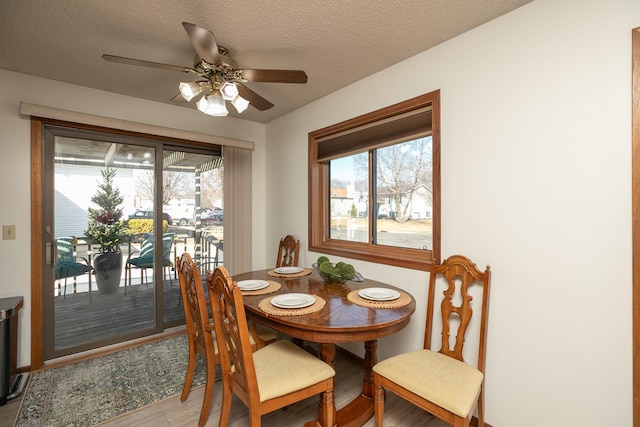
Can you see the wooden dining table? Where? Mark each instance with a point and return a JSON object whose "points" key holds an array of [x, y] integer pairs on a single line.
{"points": [[339, 321]]}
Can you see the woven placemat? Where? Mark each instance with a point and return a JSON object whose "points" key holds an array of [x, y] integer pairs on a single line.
{"points": [[272, 287], [266, 306], [403, 300], [304, 272]]}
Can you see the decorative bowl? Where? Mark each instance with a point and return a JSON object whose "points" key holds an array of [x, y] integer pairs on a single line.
{"points": [[334, 278]]}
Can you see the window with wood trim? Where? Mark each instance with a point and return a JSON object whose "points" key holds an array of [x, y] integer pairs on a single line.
{"points": [[374, 185]]}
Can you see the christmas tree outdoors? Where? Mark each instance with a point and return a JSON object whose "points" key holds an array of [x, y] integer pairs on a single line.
{"points": [[105, 223]]}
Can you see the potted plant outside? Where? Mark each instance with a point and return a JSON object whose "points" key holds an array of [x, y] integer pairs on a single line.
{"points": [[107, 228]]}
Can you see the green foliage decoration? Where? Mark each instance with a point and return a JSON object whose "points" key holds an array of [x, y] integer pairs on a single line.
{"points": [[105, 223], [339, 271], [322, 260]]}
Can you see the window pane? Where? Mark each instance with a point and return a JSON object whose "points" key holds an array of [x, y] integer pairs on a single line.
{"points": [[349, 211], [396, 177], [192, 198], [91, 217], [404, 195]]}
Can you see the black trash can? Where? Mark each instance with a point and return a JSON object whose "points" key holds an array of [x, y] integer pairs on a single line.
{"points": [[8, 346]]}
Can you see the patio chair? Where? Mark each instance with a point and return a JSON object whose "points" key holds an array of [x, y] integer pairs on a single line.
{"points": [[69, 265], [270, 378], [441, 382], [212, 253], [143, 259], [288, 252]]}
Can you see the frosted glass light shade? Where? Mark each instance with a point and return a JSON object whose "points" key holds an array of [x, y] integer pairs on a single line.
{"points": [[189, 90], [213, 104], [240, 103], [229, 91]]}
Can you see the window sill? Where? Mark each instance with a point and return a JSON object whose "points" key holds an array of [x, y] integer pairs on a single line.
{"points": [[415, 259]]}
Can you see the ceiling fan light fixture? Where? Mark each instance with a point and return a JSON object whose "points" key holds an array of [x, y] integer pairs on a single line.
{"points": [[213, 104], [219, 75], [190, 90], [229, 91], [239, 103]]}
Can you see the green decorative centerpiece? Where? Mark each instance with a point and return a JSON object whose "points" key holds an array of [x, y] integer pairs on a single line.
{"points": [[107, 228], [339, 272]]}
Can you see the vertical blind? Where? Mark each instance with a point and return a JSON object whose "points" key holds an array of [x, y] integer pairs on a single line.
{"points": [[237, 209]]}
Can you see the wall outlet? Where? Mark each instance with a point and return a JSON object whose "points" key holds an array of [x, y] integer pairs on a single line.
{"points": [[8, 232]]}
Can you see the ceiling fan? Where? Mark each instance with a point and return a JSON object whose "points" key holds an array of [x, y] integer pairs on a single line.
{"points": [[222, 80]]}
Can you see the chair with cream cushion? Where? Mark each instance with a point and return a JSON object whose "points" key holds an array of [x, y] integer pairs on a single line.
{"points": [[441, 382], [270, 378], [201, 332]]}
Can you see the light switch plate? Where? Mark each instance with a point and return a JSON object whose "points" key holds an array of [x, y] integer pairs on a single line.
{"points": [[8, 232]]}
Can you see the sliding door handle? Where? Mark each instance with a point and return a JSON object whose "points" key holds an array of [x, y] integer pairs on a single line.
{"points": [[48, 255]]}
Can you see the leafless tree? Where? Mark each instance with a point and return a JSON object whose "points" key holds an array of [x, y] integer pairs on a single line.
{"points": [[174, 185], [339, 183], [402, 170], [211, 188], [177, 185]]}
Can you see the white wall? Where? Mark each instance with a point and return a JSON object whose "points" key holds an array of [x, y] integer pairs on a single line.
{"points": [[536, 174], [15, 137]]}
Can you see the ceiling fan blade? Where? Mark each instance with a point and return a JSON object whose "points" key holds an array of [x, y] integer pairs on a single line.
{"points": [[204, 43], [274, 76], [148, 64], [254, 99]]}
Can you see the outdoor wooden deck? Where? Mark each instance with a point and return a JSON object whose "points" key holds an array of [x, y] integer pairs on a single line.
{"points": [[79, 320]]}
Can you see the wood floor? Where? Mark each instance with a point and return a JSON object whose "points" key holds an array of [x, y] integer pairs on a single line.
{"points": [[173, 413]]}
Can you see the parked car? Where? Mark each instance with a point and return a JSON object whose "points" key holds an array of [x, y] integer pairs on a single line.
{"points": [[212, 218], [150, 215], [183, 221]]}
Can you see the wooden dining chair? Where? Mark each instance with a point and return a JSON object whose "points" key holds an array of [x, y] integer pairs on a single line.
{"points": [[441, 382], [200, 331], [288, 252], [270, 378]]}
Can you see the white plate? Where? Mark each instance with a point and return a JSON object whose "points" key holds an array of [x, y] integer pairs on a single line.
{"points": [[252, 285], [293, 300], [288, 270], [379, 294]]}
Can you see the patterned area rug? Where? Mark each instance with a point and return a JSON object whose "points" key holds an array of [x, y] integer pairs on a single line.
{"points": [[95, 390]]}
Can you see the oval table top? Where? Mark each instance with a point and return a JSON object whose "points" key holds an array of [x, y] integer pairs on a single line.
{"points": [[340, 320]]}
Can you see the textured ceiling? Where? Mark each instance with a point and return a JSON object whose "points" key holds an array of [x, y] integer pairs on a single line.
{"points": [[336, 42]]}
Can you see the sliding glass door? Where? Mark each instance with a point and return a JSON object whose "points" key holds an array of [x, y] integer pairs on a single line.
{"points": [[118, 211], [192, 199]]}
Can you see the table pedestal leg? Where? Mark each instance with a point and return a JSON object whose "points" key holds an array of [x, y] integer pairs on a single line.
{"points": [[359, 410]]}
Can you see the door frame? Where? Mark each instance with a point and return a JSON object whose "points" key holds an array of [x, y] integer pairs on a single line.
{"points": [[39, 183], [635, 190], [37, 242]]}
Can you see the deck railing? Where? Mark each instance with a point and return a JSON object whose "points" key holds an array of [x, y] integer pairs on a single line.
{"points": [[207, 251]]}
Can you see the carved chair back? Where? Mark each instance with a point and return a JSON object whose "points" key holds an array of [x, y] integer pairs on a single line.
{"points": [[288, 252], [456, 308]]}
